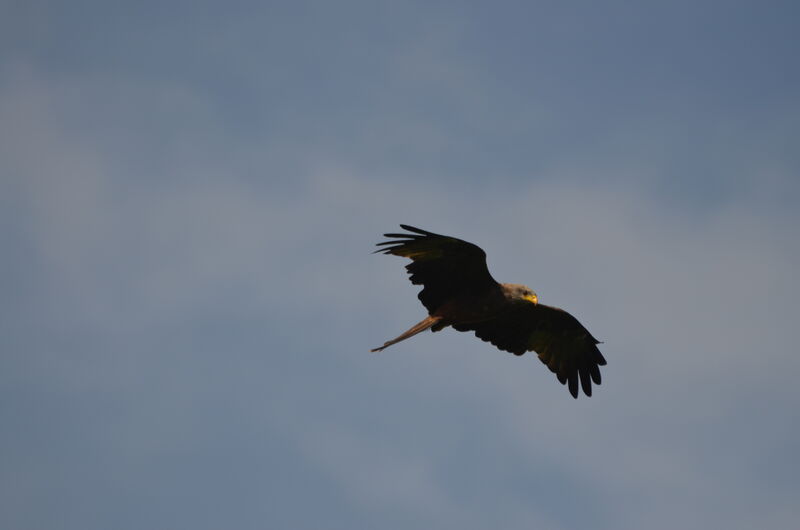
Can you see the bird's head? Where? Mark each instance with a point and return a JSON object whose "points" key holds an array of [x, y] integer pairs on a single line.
{"points": [[521, 292]]}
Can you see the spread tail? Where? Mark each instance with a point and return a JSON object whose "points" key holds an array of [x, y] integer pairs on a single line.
{"points": [[417, 328]]}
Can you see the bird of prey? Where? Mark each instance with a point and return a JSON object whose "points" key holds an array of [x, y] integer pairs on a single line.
{"points": [[458, 291]]}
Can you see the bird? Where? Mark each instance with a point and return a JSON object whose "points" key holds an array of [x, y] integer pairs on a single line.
{"points": [[458, 291]]}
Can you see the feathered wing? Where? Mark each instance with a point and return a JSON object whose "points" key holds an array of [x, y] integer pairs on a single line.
{"points": [[561, 342], [446, 267]]}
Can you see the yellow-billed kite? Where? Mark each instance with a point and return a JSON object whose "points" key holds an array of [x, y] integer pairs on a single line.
{"points": [[458, 291]]}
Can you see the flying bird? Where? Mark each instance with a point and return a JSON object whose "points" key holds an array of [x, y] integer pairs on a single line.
{"points": [[458, 291]]}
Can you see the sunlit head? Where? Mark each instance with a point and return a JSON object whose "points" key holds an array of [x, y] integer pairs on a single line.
{"points": [[522, 292]]}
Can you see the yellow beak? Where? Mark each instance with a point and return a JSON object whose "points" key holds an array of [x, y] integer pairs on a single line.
{"points": [[531, 298]]}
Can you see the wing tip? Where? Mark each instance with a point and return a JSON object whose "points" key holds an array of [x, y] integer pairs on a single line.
{"points": [[415, 229]]}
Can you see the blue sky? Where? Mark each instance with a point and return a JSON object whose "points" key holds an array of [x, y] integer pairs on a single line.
{"points": [[190, 192]]}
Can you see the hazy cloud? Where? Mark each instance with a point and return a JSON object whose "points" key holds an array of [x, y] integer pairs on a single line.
{"points": [[189, 204]]}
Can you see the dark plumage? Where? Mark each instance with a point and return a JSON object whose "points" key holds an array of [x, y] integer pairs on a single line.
{"points": [[458, 291]]}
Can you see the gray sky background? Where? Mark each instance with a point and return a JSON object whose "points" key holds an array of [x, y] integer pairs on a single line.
{"points": [[189, 195]]}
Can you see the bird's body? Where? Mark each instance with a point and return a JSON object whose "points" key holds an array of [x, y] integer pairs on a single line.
{"points": [[458, 291]]}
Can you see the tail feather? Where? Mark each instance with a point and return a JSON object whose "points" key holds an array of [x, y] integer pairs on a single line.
{"points": [[417, 328]]}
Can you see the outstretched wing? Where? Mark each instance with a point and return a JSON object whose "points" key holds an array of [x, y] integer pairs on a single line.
{"points": [[563, 344], [446, 267]]}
